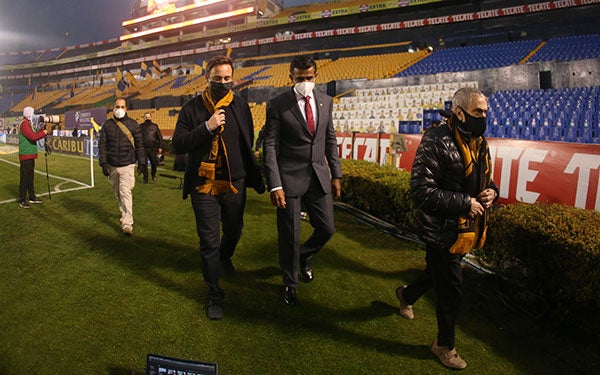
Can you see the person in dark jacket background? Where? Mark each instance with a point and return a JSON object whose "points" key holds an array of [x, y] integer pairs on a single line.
{"points": [[152, 144], [28, 152], [120, 145], [216, 131], [452, 189]]}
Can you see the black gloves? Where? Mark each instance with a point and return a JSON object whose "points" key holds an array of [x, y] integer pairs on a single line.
{"points": [[260, 188], [105, 170], [143, 169]]}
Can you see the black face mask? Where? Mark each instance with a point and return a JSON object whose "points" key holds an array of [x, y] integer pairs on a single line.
{"points": [[219, 89], [474, 125]]}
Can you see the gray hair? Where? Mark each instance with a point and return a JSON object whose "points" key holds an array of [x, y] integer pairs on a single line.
{"points": [[462, 97]]}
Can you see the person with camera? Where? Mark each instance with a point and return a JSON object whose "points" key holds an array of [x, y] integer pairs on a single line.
{"points": [[152, 144], [28, 152], [119, 146]]}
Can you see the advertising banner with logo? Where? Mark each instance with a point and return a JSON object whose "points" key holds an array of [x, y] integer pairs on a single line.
{"points": [[82, 119], [525, 171], [74, 146]]}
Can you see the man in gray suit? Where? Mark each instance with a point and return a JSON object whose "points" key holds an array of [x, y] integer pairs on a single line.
{"points": [[302, 167]]}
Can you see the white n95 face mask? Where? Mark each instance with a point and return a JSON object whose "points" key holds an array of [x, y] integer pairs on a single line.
{"points": [[305, 88], [119, 113]]}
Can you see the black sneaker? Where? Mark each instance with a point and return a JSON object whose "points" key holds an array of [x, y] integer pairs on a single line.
{"points": [[24, 204], [215, 309], [35, 200], [153, 178]]}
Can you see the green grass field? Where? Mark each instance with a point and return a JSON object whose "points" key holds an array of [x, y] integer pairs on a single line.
{"points": [[78, 297]]}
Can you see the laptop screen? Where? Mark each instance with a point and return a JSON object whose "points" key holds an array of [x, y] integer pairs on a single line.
{"points": [[159, 365]]}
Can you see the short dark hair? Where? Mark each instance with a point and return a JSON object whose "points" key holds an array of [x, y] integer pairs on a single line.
{"points": [[302, 63], [218, 60], [123, 99]]}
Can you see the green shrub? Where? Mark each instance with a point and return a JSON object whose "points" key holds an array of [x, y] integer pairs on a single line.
{"points": [[382, 191], [553, 249]]}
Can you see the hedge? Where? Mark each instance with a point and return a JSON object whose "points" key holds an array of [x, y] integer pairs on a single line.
{"points": [[554, 250], [381, 191]]}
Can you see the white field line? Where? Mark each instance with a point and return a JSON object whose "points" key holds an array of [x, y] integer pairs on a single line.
{"points": [[57, 188]]}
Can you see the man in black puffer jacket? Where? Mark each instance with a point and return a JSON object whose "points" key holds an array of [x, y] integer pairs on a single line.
{"points": [[452, 188], [152, 144], [119, 146]]}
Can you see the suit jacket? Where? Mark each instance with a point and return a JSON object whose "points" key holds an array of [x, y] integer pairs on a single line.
{"points": [[292, 153], [192, 137]]}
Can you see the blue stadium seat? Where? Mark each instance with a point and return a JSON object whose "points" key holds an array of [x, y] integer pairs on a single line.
{"points": [[569, 48]]}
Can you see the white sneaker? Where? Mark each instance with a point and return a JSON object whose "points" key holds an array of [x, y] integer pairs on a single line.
{"points": [[449, 358], [128, 230], [405, 310]]}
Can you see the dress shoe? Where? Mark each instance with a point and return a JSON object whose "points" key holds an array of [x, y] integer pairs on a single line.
{"points": [[449, 358], [405, 310], [307, 272], [289, 295]]}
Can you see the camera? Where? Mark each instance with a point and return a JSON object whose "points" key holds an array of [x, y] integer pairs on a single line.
{"points": [[39, 121], [45, 119]]}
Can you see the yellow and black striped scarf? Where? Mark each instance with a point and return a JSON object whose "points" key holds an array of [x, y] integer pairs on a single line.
{"points": [[212, 165], [478, 175]]}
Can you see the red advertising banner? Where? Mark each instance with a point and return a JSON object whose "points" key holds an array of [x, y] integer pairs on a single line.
{"points": [[525, 171]]}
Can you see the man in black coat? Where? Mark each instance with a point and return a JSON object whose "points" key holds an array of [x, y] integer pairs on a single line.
{"points": [[120, 144], [152, 144], [452, 189], [216, 130]]}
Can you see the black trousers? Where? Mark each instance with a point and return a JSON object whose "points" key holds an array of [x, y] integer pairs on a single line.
{"points": [[444, 275], [151, 153], [215, 213], [319, 207], [26, 181]]}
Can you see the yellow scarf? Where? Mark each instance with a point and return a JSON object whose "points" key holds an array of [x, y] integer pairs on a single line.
{"points": [[212, 164], [478, 174]]}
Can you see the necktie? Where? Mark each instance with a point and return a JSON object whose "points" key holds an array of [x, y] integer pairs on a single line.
{"points": [[310, 119]]}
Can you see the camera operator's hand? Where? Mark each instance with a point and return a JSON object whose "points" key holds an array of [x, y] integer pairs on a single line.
{"points": [[105, 170]]}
